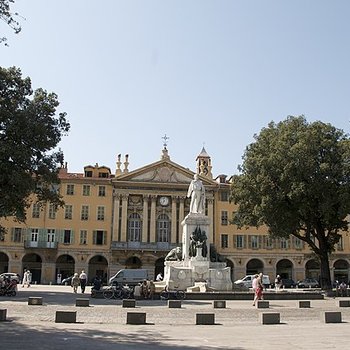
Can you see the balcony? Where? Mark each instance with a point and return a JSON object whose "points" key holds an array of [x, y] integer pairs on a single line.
{"points": [[40, 245], [158, 246]]}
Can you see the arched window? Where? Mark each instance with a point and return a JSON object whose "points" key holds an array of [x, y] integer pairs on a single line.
{"points": [[134, 228], [163, 228]]}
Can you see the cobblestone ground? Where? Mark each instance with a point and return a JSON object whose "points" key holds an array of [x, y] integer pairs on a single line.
{"points": [[102, 325]]}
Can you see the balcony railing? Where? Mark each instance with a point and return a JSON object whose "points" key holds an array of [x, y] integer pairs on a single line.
{"points": [[40, 244], [162, 246]]}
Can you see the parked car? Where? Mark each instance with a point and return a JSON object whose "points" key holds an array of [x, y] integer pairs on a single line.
{"points": [[308, 283], [246, 281], [288, 283], [132, 277], [67, 281], [12, 275]]}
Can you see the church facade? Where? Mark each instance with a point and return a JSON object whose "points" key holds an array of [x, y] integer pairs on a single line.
{"points": [[132, 219]]}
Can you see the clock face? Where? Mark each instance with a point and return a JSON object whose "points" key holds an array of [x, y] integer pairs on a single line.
{"points": [[164, 201]]}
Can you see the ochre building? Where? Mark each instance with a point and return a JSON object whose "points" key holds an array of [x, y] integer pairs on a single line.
{"points": [[132, 219]]}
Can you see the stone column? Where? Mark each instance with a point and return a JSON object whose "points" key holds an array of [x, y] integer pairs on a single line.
{"points": [[48, 273], [173, 219], [124, 217], [211, 217], [153, 220], [145, 219], [181, 217], [115, 225]]}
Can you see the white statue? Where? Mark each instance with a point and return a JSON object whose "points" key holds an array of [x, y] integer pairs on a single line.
{"points": [[196, 191]]}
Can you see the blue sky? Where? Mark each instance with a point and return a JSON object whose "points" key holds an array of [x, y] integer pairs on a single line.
{"points": [[202, 72]]}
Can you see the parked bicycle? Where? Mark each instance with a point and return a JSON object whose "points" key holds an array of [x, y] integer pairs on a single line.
{"points": [[172, 294], [118, 292]]}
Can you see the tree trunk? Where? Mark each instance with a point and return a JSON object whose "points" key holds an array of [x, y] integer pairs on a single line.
{"points": [[325, 278]]}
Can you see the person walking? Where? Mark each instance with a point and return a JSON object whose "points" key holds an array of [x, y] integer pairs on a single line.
{"points": [[75, 282], [259, 287], [27, 278], [83, 281], [254, 286]]}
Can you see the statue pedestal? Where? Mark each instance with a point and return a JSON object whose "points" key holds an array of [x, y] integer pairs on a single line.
{"points": [[196, 271], [191, 222]]}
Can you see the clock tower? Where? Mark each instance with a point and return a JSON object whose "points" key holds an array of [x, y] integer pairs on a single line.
{"points": [[204, 164]]}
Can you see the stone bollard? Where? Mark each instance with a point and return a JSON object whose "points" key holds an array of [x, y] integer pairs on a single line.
{"points": [[331, 317], [3, 313], [270, 318], [174, 304], [135, 318], [35, 301], [343, 303], [129, 303], [82, 302], [205, 319], [66, 317], [262, 304], [219, 304], [304, 304]]}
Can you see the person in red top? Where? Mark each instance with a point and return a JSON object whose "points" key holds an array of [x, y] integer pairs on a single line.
{"points": [[259, 287]]}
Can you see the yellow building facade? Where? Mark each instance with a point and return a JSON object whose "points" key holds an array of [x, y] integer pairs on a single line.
{"points": [[131, 219]]}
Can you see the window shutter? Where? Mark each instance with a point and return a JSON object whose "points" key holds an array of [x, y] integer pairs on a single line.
{"points": [[104, 240], [59, 236], [94, 237], [235, 241], [71, 237]]}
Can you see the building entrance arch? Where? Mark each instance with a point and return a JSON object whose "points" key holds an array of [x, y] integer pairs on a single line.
{"points": [[284, 268], [312, 269], [133, 262], [159, 267], [341, 271], [4, 263], [254, 266], [33, 262], [65, 266], [98, 266]]}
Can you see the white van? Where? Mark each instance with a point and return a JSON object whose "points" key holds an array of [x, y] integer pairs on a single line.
{"points": [[129, 276], [247, 281]]}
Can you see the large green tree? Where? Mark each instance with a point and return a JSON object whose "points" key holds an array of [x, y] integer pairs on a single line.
{"points": [[295, 179], [7, 16], [30, 130]]}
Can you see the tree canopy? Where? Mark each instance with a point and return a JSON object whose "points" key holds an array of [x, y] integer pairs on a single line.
{"points": [[30, 130], [8, 17], [295, 179]]}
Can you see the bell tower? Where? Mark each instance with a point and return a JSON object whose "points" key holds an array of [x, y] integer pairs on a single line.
{"points": [[204, 164]]}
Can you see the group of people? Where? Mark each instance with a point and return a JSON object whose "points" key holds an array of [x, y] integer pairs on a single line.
{"points": [[145, 290], [79, 280], [258, 287]]}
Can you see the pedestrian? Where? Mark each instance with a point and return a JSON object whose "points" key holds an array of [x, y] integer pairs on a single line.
{"points": [[27, 278], [278, 283], [97, 283], [254, 286], [152, 289], [258, 289], [83, 281], [144, 289], [75, 283], [159, 277]]}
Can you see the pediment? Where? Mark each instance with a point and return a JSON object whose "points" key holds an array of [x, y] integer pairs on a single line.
{"points": [[161, 172]]}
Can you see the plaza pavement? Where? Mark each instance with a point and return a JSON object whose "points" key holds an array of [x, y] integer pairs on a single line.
{"points": [[102, 325]]}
